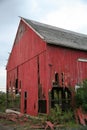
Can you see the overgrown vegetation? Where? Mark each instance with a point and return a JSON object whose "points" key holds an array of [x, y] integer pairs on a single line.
{"points": [[81, 96], [2, 101], [13, 101], [58, 116]]}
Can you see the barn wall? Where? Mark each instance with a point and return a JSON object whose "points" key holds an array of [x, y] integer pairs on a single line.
{"points": [[64, 60], [28, 79], [23, 64]]}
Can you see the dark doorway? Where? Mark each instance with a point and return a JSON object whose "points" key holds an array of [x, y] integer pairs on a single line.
{"points": [[42, 103], [60, 96], [42, 106], [25, 102]]}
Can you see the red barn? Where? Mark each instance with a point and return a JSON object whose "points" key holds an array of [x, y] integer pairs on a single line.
{"points": [[45, 62]]}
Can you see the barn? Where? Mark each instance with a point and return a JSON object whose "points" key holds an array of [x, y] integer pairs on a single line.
{"points": [[43, 66]]}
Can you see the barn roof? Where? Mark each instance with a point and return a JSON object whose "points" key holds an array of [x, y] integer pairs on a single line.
{"points": [[57, 36]]}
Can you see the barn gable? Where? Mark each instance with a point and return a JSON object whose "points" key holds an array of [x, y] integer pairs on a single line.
{"points": [[25, 47]]}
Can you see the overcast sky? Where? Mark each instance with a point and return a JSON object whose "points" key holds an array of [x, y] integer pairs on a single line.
{"points": [[68, 14]]}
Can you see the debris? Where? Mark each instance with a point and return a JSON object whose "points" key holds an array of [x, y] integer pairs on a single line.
{"points": [[17, 117], [37, 127], [12, 111], [12, 117], [80, 116], [49, 124]]}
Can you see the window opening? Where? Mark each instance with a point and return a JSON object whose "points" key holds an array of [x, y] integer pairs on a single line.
{"points": [[25, 95], [16, 86], [56, 78], [38, 70], [62, 78], [61, 97], [25, 102]]}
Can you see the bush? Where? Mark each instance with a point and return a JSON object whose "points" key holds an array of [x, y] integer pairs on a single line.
{"points": [[2, 101], [13, 101], [55, 114], [81, 96], [60, 117]]}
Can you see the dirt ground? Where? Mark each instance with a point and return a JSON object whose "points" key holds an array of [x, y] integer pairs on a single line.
{"points": [[5, 127], [15, 122], [8, 122], [12, 126]]}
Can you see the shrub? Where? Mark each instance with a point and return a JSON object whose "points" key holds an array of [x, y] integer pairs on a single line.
{"points": [[13, 101], [2, 101], [81, 96], [58, 116], [55, 114]]}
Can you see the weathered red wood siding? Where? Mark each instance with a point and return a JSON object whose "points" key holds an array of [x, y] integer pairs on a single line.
{"points": [[23, 65], [23, 58], [29, 84], [65, 60], [26, 48]]}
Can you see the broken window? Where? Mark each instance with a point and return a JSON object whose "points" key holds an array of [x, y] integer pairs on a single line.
{"points": [[25, 102], [60, 96], [25, 95], [62, 78], [16, 86], [56, 78]]}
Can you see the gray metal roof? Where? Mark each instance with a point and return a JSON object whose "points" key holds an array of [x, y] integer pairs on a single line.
{"points": [[57, 36]]}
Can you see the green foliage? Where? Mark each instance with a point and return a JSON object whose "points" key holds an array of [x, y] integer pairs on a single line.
{"points": [[81, 96], [55, 114], [2, 101], [58, 116], [13, 101], [67, 116], [10, 103]]}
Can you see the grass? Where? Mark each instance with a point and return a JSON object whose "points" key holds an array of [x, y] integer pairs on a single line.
{"points": [[69, 125]]}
